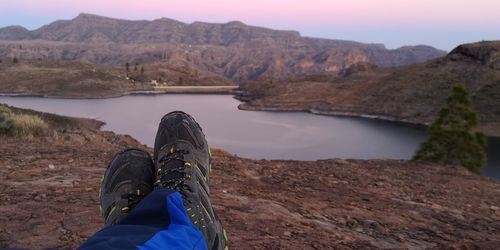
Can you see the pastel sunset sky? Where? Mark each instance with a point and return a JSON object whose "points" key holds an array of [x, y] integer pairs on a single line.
{"points": [[440, 23]]}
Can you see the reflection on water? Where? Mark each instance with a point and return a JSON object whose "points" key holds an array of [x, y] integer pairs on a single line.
{"points": [[269, 135]]}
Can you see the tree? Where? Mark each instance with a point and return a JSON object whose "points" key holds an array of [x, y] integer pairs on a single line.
{"points": [[142, 70], [127, 67], [451, 138], [15, 60], [135, 67]]}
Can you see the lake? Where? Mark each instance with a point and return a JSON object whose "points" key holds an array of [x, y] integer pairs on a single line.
{"points": [[252, 134]]}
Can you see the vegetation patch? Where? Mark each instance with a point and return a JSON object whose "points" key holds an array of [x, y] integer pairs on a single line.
{"points": [[452, 138], [21, 125]]}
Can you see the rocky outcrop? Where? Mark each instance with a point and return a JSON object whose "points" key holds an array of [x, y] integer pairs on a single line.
{"points": [[487, 53], [357, 68], [233, 50]]}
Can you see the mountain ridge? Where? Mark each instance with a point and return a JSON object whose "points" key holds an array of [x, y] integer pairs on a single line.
{"points": [[234, 50]]}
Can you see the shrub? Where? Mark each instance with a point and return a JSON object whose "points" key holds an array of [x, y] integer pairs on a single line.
{"points": [[29, 125], [6, 121], [21, 125], [451, 139]]}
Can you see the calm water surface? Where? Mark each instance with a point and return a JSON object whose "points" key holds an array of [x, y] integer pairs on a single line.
{"points": [[269, 135]]}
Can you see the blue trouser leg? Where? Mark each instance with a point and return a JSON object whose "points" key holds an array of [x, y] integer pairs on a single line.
{"points": [[159, 221]]}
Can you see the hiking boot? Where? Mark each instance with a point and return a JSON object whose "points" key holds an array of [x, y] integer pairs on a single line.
{"points": [[129, 177], [182, 160]]}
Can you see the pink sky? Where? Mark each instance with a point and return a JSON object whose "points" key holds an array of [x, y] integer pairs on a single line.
{"points": [[345, 19]]}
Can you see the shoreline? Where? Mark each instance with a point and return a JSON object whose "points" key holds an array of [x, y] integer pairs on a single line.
{"points": [[225, 90], [335, 113]]}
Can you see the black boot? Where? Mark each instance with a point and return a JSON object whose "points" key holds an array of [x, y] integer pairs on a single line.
{"points": [[182, 160], [128, 178]]}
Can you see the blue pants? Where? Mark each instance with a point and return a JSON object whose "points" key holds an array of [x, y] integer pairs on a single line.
{"points": [[159, 221]]}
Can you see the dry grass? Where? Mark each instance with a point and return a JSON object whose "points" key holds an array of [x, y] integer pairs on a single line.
{"points": [[29, 125], [21, 125]]}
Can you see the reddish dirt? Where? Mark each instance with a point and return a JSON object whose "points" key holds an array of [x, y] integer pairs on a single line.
{"points": [[49, 199]]}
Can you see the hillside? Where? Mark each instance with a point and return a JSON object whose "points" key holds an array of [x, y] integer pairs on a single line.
{"points": [[411, 93], [83, 80], [232, 50], [67, 79]]}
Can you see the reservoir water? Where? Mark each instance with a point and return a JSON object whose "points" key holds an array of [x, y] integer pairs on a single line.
{"points": [[252, 134]]}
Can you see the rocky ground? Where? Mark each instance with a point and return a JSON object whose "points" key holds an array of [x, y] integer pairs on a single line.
{"points": [[50, 186]]}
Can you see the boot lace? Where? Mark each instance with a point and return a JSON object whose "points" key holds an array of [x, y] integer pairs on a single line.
{"points": [[173, 177]]}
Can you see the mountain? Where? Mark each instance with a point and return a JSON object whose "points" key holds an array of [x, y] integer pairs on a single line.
{"points": [[411, 93], [234, 50], [14, 33]]}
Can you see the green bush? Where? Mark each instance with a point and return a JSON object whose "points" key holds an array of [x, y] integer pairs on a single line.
{"points": [[21, 125], [451, 138], [6, 121]]}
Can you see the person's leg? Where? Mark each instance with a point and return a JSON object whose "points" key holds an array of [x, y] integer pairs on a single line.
{"points": [[159, 221], [178, 214]]}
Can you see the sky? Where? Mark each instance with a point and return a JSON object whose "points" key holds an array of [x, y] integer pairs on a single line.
{"points": [[443, 24]]}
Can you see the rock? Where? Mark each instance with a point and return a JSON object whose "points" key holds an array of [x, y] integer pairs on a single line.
{"points": [[356, 68], [434, 205], [350, 222], [52, 167], [342, 162], [375, 225]]}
